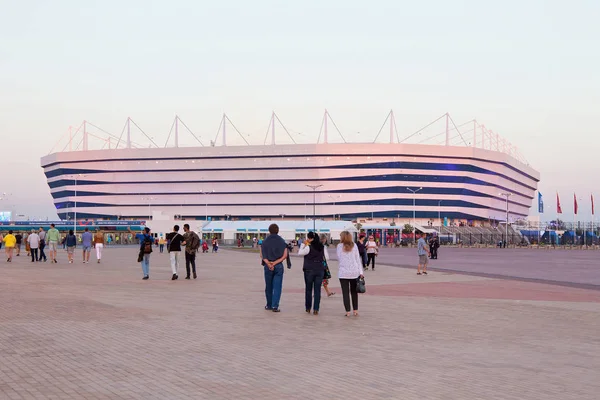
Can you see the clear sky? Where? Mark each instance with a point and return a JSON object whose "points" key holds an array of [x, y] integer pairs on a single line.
{"points": [[529, 70]]}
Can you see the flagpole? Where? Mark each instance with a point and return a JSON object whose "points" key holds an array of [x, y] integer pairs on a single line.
{"points": [[558, 212], [574, 219], [584, 238], [592, 235]]}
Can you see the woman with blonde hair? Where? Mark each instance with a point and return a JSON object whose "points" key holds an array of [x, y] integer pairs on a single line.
{"points": [[350, 269]]}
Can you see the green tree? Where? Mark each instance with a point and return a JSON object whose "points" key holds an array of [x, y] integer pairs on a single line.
{"points": [[407, 229]]}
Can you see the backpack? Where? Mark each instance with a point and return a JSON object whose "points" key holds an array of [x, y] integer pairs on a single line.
{"points": [[147, 246]]}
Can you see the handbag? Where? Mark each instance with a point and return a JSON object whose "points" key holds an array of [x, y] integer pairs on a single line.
{"points": [[360, 285], [327, 274]]}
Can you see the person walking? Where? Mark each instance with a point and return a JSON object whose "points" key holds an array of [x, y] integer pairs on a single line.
{"points": [[161, 243], [86, 243], [274, 252], [434, 245], [33, 240], [372, 250], [27, 248], [192, 244], [71, 243], [98, 244], [362, 249], [350, 270], [19, 238], [174, 249], [42, 236], [146, 241], [327, 275], [315, 258], [215, 245], [10, 241], [53, 237], [422, 252]]}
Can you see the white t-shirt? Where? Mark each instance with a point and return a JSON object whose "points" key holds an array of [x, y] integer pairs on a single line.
{"points": [[371, 246], [33, 240], [350, 264]]}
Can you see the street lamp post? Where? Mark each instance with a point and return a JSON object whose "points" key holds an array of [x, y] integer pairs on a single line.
{"points": [[414, 192], [334, 199], [314, 188], [440, 213], [507, 195], [75, 208], [206, 202]]}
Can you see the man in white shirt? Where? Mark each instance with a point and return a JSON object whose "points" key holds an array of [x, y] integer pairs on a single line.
{"points": [[42, 235], [34, 244]]}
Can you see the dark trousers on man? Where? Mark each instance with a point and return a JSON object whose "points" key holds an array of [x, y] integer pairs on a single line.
{"points": [[42, 254], [34, 255], [273, 285], [190, 259], [349, 289], [433, 252], [313, 281]]}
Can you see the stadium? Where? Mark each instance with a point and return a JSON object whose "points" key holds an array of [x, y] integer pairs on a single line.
{"points": [[473, 182]]}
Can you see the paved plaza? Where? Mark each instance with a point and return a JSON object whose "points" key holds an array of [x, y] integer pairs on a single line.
{"points": [[576, 268], [97, 331]]}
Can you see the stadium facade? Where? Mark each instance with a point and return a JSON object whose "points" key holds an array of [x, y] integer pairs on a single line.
{"points": [[359, 181]]}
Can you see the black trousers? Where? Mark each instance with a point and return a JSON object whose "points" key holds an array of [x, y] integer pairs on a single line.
{"points": [[371, 258], [312, 282], [42, 254], [190, 259], [349, 289], [434, 252], [34, 255]]}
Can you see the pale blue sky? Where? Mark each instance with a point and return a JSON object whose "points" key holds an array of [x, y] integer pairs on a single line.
{"points": [[529, 70]]}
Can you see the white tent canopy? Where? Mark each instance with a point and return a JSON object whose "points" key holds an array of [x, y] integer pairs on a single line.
{"points": [[289, 230]]}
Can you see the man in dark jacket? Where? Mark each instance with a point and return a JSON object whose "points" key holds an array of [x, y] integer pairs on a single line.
{"points": [[273, 252], [434, 244], [192, 243]]}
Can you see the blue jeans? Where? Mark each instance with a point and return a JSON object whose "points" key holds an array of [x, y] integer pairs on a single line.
{"points": [[146, 265], [273, 284], [363, 257], [313, 281]]}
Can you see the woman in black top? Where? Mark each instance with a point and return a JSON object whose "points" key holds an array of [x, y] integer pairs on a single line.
{"points": [[362, 249], [314, 254]]}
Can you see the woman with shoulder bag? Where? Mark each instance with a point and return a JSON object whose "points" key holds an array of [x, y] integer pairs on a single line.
{"points": [[350, 270], [314, 269], [372, 250]]}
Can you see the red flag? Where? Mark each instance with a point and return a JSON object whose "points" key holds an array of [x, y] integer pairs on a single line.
{"points": [[592, 204], [558, 207], [575, 203]]}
